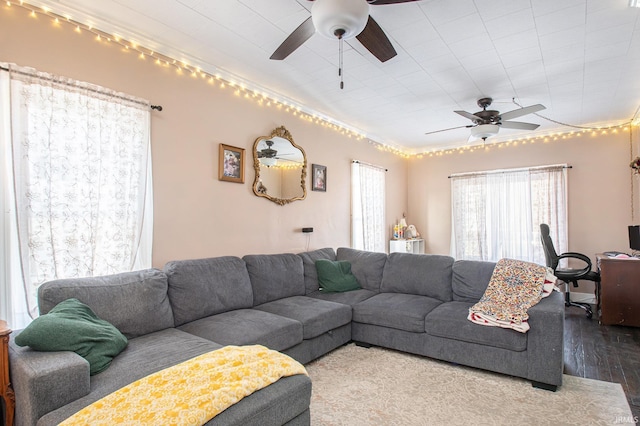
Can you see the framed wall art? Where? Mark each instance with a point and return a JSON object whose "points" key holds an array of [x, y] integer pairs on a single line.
{"points": [[319, 178], [231, 163]]}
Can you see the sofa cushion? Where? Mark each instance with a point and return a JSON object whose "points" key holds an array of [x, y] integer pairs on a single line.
{"points": [[248, 327], [347, 298], [275, 276], [395, 310], [317, 316], [73, 326], [309, 264], [424, 275], [334, 276], [366, 266], [449, 320], [470, 279], [136, 303], [202, 287]]}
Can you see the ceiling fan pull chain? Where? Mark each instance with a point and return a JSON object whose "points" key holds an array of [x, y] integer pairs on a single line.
{"points": [[340, 52]]}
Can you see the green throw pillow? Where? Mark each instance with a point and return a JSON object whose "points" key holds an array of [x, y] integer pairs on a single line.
{"points": [[335, 276], [73, 326]]}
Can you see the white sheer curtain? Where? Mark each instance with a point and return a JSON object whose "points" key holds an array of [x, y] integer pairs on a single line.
{"points": [[368, 207], [13, 307], [498, 214], [82, 179]]}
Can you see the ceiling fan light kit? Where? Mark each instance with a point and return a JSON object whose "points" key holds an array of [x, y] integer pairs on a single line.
{"points": [[269, 162], [340, 18], [484, 131]]}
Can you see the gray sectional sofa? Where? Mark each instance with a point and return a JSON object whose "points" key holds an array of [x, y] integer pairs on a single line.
{"points": [[411, 303]]}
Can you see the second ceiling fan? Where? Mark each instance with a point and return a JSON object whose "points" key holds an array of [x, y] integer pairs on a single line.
{"points": [[342, 20], [487, 123]]}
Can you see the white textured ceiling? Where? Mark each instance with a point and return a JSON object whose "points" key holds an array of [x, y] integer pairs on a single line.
{"points": [[579, 58]]}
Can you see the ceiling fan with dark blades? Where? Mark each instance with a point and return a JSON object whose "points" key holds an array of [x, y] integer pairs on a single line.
{"points": [[342, 19], [270, 152], [487, 123]]}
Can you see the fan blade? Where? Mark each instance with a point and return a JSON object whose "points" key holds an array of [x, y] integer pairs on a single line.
{"points": [[376, 41], [522, 111], [287, 159], [519, 125], [468, 115], [450, 128], [379, 2], [295, 40]]}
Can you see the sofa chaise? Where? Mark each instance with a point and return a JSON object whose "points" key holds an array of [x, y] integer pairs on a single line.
{"points": [[412, 303]]}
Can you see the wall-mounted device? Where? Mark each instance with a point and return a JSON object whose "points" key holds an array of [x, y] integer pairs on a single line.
{"points": [[634, 237], [307, 230]]}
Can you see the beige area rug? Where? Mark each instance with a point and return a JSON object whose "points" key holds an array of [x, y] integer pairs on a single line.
{"points": [[375, 386]]}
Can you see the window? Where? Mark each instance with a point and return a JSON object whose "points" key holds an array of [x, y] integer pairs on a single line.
{"points": [[498, 214], [367, 207], [79, 194]]}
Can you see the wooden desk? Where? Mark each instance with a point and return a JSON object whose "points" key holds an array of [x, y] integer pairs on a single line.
{"points": [[6, 392], [618, 295]]}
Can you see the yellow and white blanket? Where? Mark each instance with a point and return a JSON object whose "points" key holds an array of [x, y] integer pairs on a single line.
{"points": [[193, 392]]}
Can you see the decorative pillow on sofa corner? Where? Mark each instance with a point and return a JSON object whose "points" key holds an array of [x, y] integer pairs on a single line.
{"points": [[335, 276], [73, 326]]}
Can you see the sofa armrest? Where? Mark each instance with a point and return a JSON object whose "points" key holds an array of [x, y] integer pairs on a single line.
{"points": [[45, 381], [545, 340]]}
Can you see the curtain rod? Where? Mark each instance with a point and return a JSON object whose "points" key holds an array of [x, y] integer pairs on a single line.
{"points": [[370, 165], [491, 172], [154, 107]]}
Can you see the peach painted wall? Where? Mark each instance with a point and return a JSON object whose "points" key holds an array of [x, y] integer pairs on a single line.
{"points": [[599, 189], [196, 215]]}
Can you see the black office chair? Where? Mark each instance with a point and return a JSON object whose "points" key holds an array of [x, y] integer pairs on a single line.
{"points": [[568, 275]]}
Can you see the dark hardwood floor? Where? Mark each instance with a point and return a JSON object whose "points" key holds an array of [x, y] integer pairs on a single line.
{"points": [[603, 352]]}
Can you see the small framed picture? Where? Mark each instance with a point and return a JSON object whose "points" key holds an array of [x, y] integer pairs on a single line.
{"points": [[231, 163], [319, 178]]}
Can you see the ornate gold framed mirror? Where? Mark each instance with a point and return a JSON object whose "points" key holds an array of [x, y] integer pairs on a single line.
{"points": [[280, 166]]}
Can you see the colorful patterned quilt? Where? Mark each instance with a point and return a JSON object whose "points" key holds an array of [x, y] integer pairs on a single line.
{"points": [[515, 286], [193, 392]]}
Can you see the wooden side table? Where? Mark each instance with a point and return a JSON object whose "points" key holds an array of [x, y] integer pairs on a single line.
{"points": [[6, 392]]}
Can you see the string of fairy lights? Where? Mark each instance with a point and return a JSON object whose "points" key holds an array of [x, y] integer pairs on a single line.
{"points": [[285, 166], [220, 79], [263, 97], [558, 136]]}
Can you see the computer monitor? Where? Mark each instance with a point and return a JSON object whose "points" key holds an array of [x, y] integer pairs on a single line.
{"points": [[634, 237]]}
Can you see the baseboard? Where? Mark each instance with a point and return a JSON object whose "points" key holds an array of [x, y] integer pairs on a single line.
{"points": [[583, 298]]}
